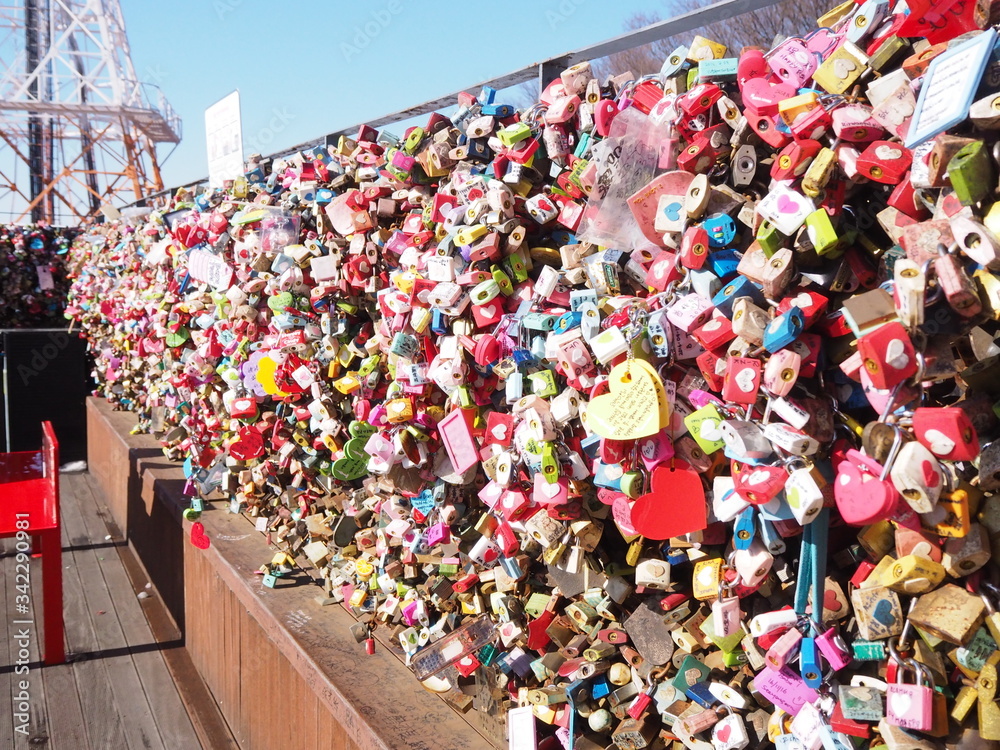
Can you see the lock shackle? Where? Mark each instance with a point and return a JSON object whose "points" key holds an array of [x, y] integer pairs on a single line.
{"points": [[893, 645], [924, 674], [656, 675], [794, 463], [725, 587], [994, 591], [897, 444]]}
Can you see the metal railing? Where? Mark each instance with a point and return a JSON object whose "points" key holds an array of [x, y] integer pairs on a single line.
{"points": [[544, 72]]}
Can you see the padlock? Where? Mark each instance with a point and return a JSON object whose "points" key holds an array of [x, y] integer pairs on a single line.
{"points": [[803, 492], [726, 611], [917, 476], [910, 706], [947, 432], [888, 355], [958, 288]]}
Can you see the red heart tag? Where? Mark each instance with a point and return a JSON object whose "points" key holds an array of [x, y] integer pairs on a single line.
{"points": [[249, 445], [198, 536], [676, 505]]}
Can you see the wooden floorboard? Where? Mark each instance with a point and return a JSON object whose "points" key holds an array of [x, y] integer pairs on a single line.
{"points": [[130, 700], [170, 717], [7, 675], [38, 734], [67, 728], [115, 692]]}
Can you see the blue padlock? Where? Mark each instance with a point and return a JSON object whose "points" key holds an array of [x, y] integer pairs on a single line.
{"points": [[487, 96], [723, 263], [568, 321], [809, 666], [721, 230], [738, 287], [498, 110], [745, 530], [784, 329], [604, 476], [439, 322], [700, 694]]}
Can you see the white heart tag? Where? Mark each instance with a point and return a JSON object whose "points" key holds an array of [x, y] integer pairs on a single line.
{"points": [[709, 430], [939, 443], [745, 380], [895, 354], [888, 153]]}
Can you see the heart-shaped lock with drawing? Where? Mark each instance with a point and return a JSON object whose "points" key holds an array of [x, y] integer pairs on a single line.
{"points": [[862, 492], [354, 463]]}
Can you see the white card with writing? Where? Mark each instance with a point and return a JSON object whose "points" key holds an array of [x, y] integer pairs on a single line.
{"points": [[949, 85], [213, 270]]}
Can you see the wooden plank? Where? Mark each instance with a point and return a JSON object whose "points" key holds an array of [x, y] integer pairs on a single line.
{"points": [[103, 727], [131, 707], [322, 646], [6, 658], [232, 648], [66, 721], [169, 714], [38, 731], [251, 665]]}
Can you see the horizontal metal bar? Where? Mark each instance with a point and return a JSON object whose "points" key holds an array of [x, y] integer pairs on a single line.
{"points": [[693, 19]]}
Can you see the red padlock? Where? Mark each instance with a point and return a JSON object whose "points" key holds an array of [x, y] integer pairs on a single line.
{"points": [[794, 159], [888, 355], [947, 432], [885, 162], [694, 248]]}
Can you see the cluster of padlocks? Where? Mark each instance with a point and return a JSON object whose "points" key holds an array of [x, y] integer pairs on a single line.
{"points": [[660, 411], [33, 283]]}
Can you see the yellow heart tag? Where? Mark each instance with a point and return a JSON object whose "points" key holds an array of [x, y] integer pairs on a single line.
{"points": [[635, 408]]}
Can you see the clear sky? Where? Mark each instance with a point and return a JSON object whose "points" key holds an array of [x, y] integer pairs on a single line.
{"points": [[306, 67]]}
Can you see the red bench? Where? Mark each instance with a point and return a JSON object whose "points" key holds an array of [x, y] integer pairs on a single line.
{"points": [[29, 502]]}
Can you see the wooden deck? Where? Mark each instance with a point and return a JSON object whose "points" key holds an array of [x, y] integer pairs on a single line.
{"points": [[116, 691]]}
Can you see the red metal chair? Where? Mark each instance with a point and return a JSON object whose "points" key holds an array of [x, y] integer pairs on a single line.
{"points": [[29, 502]]}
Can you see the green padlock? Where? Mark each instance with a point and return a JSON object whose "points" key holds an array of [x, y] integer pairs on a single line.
{"points": [[550, 464], [821, 232], [971, 173], [770, 239], [632, 483]]}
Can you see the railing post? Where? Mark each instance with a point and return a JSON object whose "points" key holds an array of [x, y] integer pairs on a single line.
{"points": [[549, 70]]}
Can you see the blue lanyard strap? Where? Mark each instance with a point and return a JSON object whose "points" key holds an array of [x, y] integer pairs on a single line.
{"points": [[812, 566]]}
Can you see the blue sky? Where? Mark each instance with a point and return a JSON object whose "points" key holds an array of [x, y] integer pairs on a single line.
{"points": [[305, 67]]}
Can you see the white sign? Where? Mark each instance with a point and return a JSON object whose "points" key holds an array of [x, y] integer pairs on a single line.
{"points": [[213, 270], [949, 86], [224, 139]]}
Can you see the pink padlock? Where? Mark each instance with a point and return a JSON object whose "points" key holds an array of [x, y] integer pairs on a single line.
{"points": [[862, 490], [910, 706]]}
